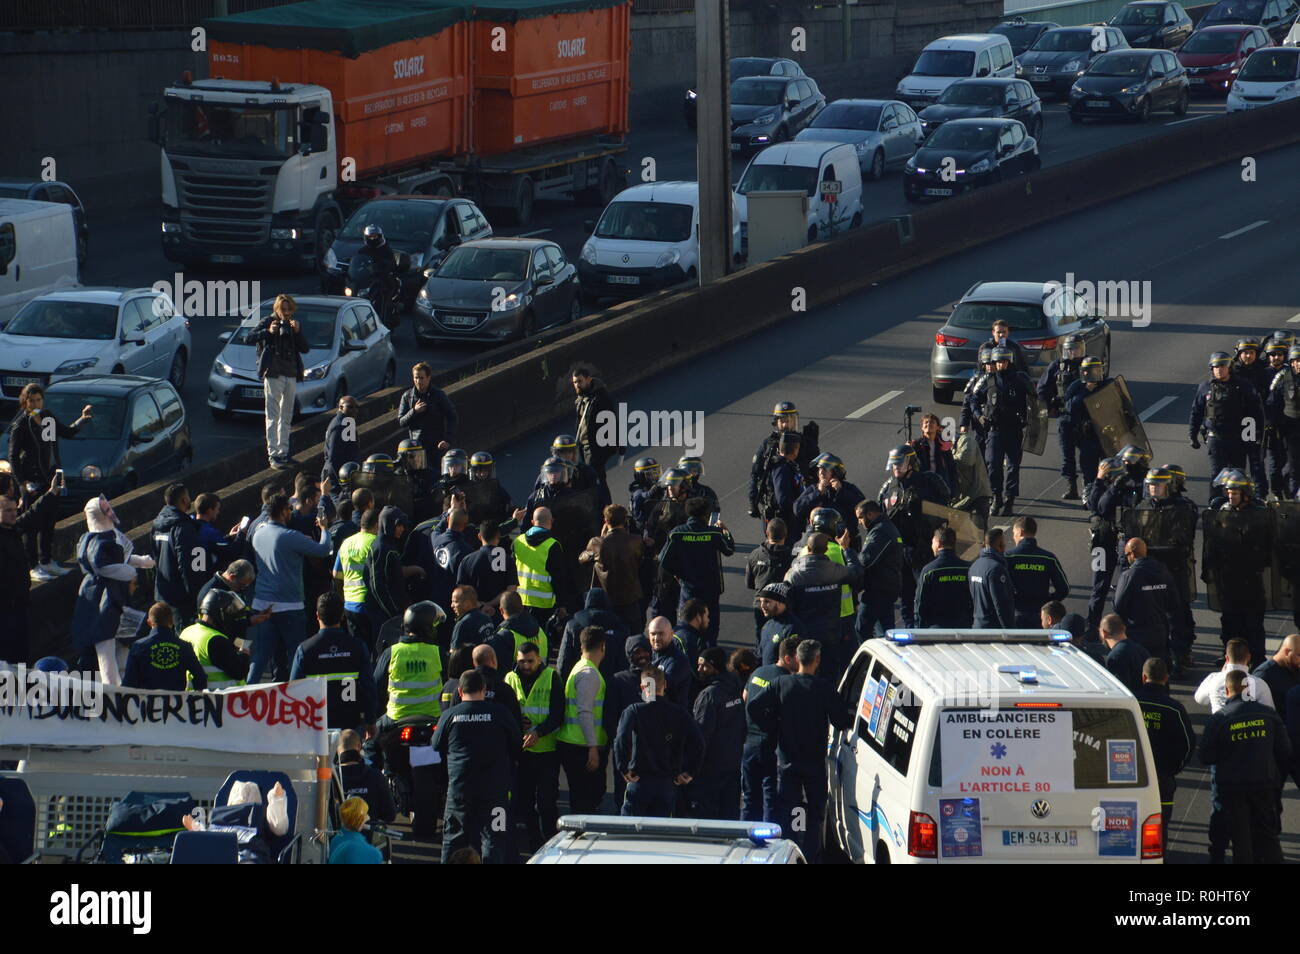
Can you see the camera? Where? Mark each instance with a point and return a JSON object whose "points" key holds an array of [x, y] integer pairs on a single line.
{"points": [[912, 409]]}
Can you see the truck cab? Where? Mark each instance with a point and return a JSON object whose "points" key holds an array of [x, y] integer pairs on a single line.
{"points": [[248, 172]]}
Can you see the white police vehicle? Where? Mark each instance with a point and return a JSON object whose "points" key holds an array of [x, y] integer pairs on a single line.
{"points": [[990, 746], [623, 840]]}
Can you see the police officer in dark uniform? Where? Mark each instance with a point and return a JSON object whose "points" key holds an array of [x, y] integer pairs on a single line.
{"points": [[901, 497], [1146, 598], [1247, 366], [1162, 494], [657, 746], [719, 711], [1239, 574], [1247, 744], [1169, 730], [1002, 402], [1275, 352], [1083, 434], [1036, 574], [494, 503], [553, 485], [1052, 389], [1225, 407], [991, 593], [1284, 414], [413, 463], [694, 467], [816, 595], [643, 491], [970, 419], [454, 475], [883, 561], [581, 476], [1118, 487], [1002, 339], [693, 554], [785, 480], [785, 420], [666, 514], [831, 490], [480, 741], [943, 587]]}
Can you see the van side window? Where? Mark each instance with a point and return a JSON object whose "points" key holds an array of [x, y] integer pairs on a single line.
{"points": [[888, 717], [982, 64], [8, 246], [851, 694]]}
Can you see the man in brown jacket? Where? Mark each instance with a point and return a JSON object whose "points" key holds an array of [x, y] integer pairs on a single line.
{"points": [[617, 554]]}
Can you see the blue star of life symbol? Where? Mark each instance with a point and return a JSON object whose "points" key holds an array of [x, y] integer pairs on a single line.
{"points": [[998, 750]]}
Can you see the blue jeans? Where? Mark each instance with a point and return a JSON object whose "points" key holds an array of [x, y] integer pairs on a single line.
{"points": [[276, 640], [650, 797]]}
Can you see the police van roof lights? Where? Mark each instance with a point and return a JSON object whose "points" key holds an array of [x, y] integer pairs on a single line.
{"points": [[903, 637], [684, 828]]}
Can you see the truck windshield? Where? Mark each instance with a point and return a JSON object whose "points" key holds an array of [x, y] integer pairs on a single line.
{"points": [[230, 129], [646, 222]]}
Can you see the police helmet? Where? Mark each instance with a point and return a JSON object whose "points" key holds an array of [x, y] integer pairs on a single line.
{"points": [[1286, 338], [482, 466], [674, 477], [1131, 454], [1293, 354], [647, 471], [693, 465], [832, 463], [826, 520], [1092, 368], [1237, 480], [1178, 476], [1221, 476], [1275, 346], [1002, 353], [1220, 359], [556, 467], [1073, 346], [378, 464], [1159, 477], [347, 472], [1247, 343], [563, 445], [454, 458], [985, 355], [223, 609], [902, 454], [412, 453], [374, 236], [785, 409], [422, 620]]}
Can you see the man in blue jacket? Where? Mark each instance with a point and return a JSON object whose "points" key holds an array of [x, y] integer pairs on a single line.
{"points": [[693, 554], [162, 660], [668, 656], [943, 599], [183, 561], [1036, 574], [991, 592], [345, 661], [1147, 600]]}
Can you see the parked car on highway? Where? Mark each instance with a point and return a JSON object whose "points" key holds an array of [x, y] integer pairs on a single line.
{"points": [[768, 109], [951, 58], [1275, 16], [497, 289], [1059, 57], [40, 191], [425, 227], [986, 99], [1131, 84], [139, 433], [1039, 317], [805, 166], [648, 238], [1157, 24], [38, 252], [89, 331], [1022, 33], [1271, 75], [739, 68], [883, 133], [1213, 56], [351, 352], [965, 154]]}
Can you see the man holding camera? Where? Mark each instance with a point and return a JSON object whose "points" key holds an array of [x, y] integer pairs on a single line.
{"points": [[280, 347]]}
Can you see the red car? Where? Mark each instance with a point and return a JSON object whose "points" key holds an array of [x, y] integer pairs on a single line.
{"points": [[1213, 54]]}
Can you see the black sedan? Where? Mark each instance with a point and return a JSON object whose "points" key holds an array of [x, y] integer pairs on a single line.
{"points": [[1059, 57], [1130, 84], [1156, 24], [495, 290], [986, 99], [39, 191], [1022, 33], [740, 67], [768, 109], [425, 227], [965, 154], [1275, 16]]}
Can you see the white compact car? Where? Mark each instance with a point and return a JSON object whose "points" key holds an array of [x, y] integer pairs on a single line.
{"points": [[626, 840], [1270, 75]]}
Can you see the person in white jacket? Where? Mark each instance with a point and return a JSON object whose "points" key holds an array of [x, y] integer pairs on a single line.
{"points": [[1211, 691]]}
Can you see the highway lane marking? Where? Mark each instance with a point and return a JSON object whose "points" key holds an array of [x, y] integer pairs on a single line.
{"points": [[1294, 320], [1190, 119], [1242, 231], [868, 408], [532, 233], [1156, 408]]}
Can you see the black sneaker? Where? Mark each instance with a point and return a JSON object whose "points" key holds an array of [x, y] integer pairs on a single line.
{"points": [[278, 463], [1071, 489]]}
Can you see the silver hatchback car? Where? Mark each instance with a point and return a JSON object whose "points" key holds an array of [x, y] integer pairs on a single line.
{"points": [[1039, 316], [351, 353]]}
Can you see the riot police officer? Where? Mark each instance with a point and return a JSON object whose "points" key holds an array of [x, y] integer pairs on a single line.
{"points": [[552, 485], [1178, 485], [1052, 389], [1274, 446], [1237, 549], [1084, 435], [831, 490], [1002, 401], [347, 474], [413, 462], [1247, 366], [1118, 488], [970, 420], [581, 476], [785, 420], [901, 497], [453, 477], [485, 498], [643, 491], [1228, 409], [664, 515], [1166, 521], [785, 480], [694, 467], [1284, 413]]}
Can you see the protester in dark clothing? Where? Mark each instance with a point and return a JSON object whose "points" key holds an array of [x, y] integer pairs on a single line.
{"points": [[446, 549], [768, 563], [491, 568], [657, 746], [719, 712], [473, 626], [758, 761], [1125, 657], [592, 405], [597, 612], [883, 566], [182, 560], [345, 660], [617, 556], [773, 602], [387, 586], [820, 595], [356, 778], [341, 445], [1147, 600], [281, 344], [162, 660], [15, 569], [692, 623], [669, 657], [1168, 728], [990, 585], [426, 412]]}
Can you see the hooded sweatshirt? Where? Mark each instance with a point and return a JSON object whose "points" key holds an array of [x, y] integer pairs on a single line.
{"points": [[597, 612], [181, 569], [385, 581], [108, 566]]}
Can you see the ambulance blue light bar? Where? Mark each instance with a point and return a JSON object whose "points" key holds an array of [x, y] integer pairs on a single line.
{"points": [[906, 637]]}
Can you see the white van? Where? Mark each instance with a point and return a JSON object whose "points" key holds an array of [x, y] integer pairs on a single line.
{"points": [[794, 166], [38, 252], [647, 238], [990, 746], [951, 58]]}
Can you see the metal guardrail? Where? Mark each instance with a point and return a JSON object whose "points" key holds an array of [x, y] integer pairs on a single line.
{"points": [[29, 15]]}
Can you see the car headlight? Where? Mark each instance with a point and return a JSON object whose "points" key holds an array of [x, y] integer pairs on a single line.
{"points": [[91, 472], [670, 257], [1288, 88], [424, 293], [75, 365], [764, 120], [282, 234], [1020, 70], [984, 165], [331, 261], [860, 148], [1072, 67], [222, 370], [691, 94], [910, 165], [348, 292], [588, 253], [317, 373], [169, 227], [509, 302], [1076, 90]]}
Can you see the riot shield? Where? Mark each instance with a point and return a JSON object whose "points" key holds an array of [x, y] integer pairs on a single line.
{"points": [[1114, 419], [1036, 425], [482, 500], [576, 520], [1286, 563], [1237, 553], [969, 537], [1170, 536], [390, 490], [972, 473]]}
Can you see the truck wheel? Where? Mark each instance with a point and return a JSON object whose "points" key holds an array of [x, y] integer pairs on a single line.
{"points": [[327, 225], [520, 211], [606, 188]]}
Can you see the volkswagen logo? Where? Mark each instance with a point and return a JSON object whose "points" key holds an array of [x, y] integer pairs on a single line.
{"points": [[1041, 808], [626, 259], [27, 362]]}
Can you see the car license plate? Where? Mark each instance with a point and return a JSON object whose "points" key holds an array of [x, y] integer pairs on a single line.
{"points": [[938, 192], [253, 393], [1196, 79], [460, 321], [1098, 103], [11, 381], [623, 279], [227, 258], [1040, 837]]}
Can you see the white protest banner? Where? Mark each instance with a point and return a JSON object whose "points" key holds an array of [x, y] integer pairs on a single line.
{"points": [[273, 719], [1007, 751]]}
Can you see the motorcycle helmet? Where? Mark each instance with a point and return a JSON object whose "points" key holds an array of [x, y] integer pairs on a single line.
{"points": [[422, 620], [826, 520], [374, 236], [223, 609], [482, 466]]}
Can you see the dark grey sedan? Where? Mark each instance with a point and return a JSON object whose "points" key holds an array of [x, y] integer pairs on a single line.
{"points": [[1131, 84], [495, 290], [771, 109], [989, 98], [1059, 57]]}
